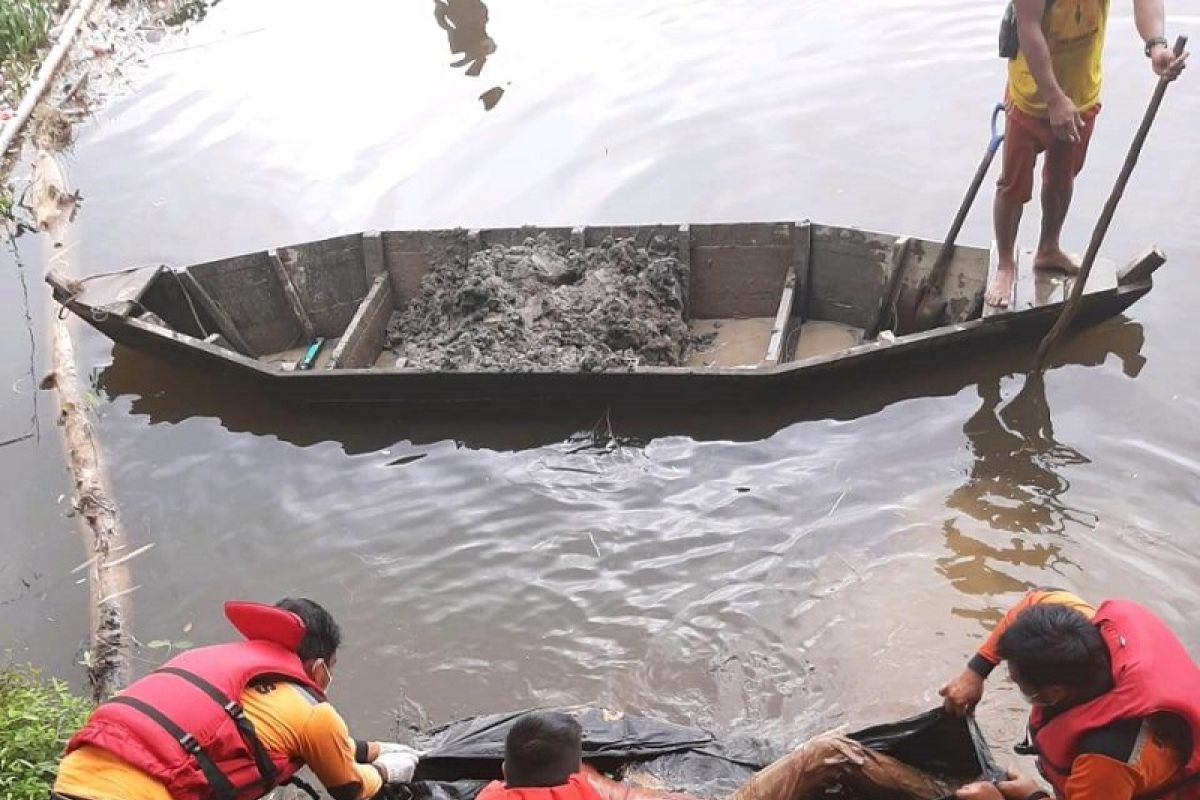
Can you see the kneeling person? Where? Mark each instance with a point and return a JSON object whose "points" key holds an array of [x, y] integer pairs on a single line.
{"points": [[232, 721]]}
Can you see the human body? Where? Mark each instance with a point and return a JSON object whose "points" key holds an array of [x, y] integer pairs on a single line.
{"points": [[1116, 699], [130, 747]]}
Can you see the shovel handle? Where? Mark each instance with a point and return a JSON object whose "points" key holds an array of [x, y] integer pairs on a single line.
{"points": [[1071, 307], [937, 275], [997, 132]]}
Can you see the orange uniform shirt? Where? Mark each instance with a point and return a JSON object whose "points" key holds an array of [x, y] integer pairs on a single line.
{"points": [[287, 718], [1119, 761]]}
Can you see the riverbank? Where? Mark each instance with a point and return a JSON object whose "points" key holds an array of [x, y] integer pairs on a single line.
{"points": [[37, 716], [62, 60], [88, 55]]}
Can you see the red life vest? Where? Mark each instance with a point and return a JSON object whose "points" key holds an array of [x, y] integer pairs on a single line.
{"points": [[183, 724], [576, 788], [1151, 672]]}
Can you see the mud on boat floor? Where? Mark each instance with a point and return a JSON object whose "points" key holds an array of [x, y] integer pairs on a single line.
{"points": [[544, 305]]}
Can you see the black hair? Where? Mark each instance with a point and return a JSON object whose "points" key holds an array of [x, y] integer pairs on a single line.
{"points": [[543, 748], [1051, 644], [323, 636]]}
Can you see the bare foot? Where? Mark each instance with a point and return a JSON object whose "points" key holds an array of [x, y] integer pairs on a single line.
{"points": [[1000, 287], [1056, 260]]}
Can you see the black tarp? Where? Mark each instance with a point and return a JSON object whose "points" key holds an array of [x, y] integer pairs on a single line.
{"points": [[462, 756]]}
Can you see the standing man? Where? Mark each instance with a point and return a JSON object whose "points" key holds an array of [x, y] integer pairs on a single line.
{"points": [[232, 721], [1115, 696], [1053, 97]]}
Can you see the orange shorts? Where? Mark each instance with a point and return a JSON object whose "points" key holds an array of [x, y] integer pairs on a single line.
{"points": [[1025, 137]]}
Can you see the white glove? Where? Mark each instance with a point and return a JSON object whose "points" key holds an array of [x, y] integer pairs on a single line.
{"points": [[397, 767], [396, 747]]}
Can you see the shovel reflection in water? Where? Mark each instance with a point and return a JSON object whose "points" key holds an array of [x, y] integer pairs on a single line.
{"points": [[1016, 481]]}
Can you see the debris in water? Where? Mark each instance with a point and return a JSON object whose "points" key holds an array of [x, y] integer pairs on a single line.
{"points": [[542, 305], [51, 128]]}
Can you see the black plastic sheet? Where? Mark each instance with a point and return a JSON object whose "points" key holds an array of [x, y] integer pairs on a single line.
{"points": [[463, 756]]}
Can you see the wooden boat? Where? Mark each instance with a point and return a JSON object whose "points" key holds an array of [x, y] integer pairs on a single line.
{"points": [[788, 304]]}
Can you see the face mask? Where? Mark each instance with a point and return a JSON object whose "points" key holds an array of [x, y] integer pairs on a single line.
{"points": [[1033, 699], [328, 674]]}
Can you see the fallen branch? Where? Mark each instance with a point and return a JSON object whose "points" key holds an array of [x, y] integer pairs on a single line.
{"points": [[107, 664]]}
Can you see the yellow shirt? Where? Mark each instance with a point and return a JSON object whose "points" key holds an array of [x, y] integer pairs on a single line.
{"points": [[1075, 34], [288, 720]]}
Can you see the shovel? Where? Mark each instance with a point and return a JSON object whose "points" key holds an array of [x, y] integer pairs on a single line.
{"points": [[923, 308], [1071, 307]]}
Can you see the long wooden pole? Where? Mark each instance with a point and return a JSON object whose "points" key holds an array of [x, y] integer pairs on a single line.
{"points": [[1071, 307]]}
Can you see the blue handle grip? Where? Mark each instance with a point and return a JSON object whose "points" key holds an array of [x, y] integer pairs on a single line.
{"points": [[997, 135]]}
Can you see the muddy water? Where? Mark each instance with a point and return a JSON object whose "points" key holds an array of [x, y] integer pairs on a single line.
{"points": [[773, 571]]}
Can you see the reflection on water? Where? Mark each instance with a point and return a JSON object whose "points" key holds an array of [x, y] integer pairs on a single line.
{"points": [[465, 23], [1016, 488], [163, 393], [1016, 482]]}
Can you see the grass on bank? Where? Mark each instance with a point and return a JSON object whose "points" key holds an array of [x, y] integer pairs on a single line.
{"points": [[37, 716], [24, 30]]}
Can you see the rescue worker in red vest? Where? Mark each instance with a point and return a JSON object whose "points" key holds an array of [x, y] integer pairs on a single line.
{"points": [[232, 721], [1115, 696]]}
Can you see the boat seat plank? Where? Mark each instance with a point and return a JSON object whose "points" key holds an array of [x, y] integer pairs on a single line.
{"points": [[225, 324], [683, 246], [248, 292], [793, 300], [783, 319], [374, 259], [362, 343], [329, 279], [293, 297], [802, 237]]}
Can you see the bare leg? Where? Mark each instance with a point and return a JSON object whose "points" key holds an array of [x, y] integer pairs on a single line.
{"points": [[1055, 202], [824, 761], [1006, 218]]}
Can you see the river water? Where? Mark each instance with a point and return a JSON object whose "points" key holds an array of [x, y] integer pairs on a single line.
{"points": [[774, 572]]}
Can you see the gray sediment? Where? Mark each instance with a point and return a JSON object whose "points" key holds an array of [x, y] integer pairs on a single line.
{"points": [[543, 305]]}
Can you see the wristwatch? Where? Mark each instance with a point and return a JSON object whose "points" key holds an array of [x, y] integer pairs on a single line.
{"points": [[1040, 794], [1152, 43]]}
